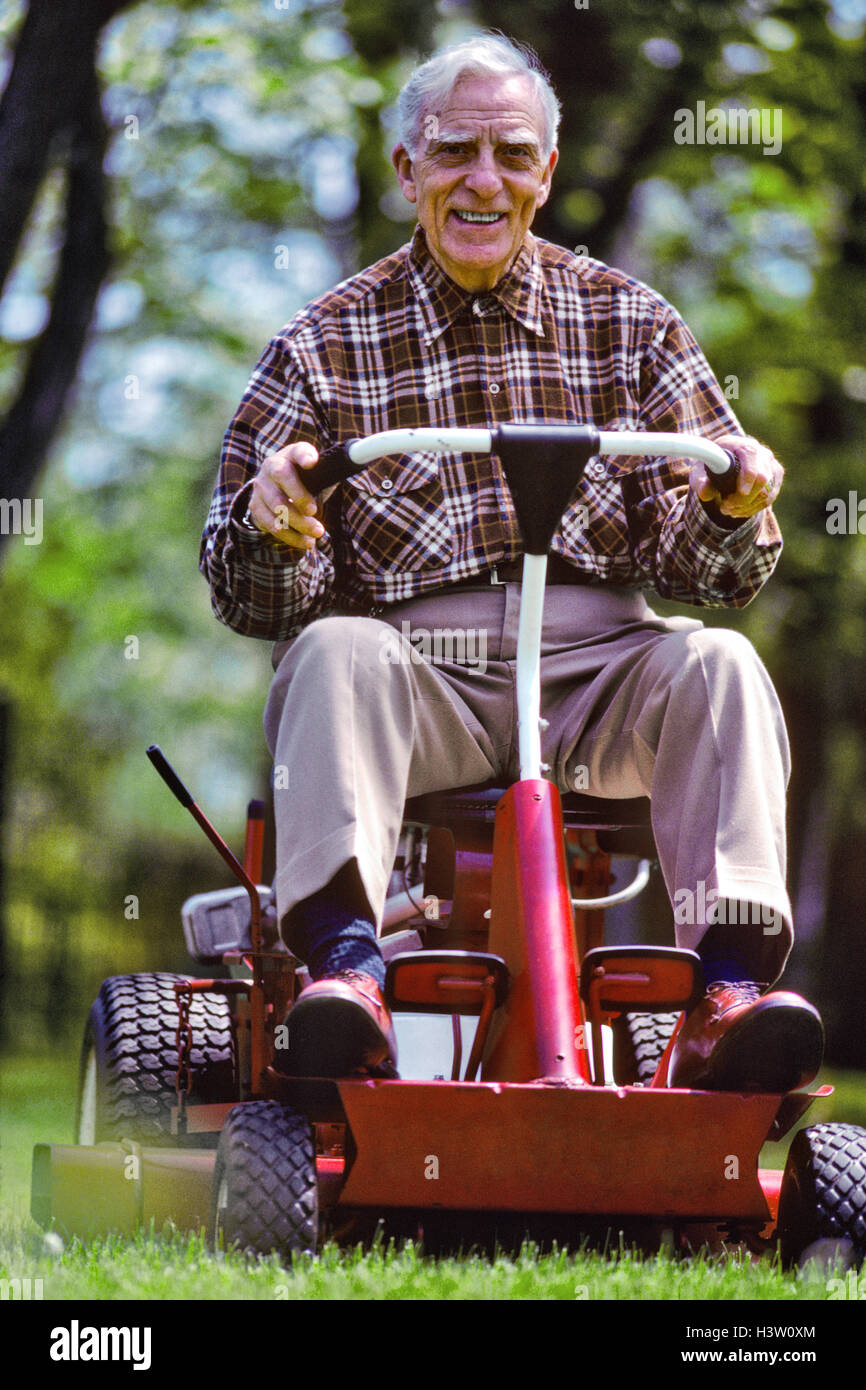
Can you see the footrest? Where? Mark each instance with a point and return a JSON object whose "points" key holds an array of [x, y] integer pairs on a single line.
{"points": [[445, 982], [639, 979]]}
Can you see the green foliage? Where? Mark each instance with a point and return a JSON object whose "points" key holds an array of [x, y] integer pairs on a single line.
{"points": [[249, 171]]}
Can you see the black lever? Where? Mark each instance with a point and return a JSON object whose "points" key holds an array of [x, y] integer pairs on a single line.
{"points": [[187, 800], [169, 776]]}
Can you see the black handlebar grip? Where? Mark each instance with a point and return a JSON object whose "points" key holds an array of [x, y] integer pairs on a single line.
{"points": [[169, 776], [332, 467], [726, 483]]}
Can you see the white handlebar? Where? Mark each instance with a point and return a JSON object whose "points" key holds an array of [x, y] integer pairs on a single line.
{"points": [[447, 441], [480, 441], [684, 446]]}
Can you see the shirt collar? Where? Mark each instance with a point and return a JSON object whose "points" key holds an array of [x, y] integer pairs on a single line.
{"points": [[441, 300]]}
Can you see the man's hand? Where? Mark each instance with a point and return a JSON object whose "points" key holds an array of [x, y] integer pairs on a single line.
{"points": [[758, 485], [280, 505]]}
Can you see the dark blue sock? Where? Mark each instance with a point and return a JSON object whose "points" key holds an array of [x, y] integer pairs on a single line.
{"points": [[727, 952], [331, 937]]}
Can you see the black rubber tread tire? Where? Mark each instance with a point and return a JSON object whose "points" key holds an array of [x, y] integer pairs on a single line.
{"points": [[132, 1030], [823, 1195], [639, 1041], [266, 1159]]}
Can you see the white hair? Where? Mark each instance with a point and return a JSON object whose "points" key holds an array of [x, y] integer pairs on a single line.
{"points": [[485, 55]]}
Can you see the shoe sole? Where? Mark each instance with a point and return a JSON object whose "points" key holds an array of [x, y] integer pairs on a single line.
{"points": [[775, 1051], [331, 1037]]}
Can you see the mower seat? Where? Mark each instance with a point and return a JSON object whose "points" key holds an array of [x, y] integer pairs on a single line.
{"points": [[624, 824]]}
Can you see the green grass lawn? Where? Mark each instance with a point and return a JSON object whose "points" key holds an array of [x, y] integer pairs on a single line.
{"points": [[38, 1106]]}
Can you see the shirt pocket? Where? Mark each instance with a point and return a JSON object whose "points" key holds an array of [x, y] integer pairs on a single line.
{"points": [[396, 518]]}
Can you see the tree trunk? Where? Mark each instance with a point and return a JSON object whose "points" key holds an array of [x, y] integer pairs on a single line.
{"points": [[50, 110]]}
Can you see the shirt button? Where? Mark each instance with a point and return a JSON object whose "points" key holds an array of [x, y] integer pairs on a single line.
{"points": [[431, 392], [493, 388], [386, 484]]}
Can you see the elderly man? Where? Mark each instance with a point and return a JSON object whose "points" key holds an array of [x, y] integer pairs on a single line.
{"points": [[474, 322]]}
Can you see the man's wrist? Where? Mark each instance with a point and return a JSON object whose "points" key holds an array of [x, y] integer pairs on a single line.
{"points": [[720, 518], [706, 529], [239, 514]]}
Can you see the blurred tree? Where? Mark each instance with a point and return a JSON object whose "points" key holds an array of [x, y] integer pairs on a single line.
{"points": [[50, 109], [214, 162], [377, 32], [233, 134], [249, 171]]}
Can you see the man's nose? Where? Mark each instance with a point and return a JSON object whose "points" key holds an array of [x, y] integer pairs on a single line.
{"points": [[484, 177]]}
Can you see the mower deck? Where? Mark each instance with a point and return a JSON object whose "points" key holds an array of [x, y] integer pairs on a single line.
{"points": [[569, 1148], [538, 1147]]}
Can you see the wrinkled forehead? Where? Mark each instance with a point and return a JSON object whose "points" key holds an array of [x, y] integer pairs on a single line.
{"points": [[494, 108]]}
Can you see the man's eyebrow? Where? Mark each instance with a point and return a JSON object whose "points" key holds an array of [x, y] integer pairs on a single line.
{"points": [[526, 136], [447, 137]]}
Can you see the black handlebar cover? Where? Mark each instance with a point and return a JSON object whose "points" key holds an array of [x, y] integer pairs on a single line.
{"points": [[332, 467], [533, 437], [726, 483]]}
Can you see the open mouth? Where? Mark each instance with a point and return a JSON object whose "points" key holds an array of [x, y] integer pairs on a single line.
{"points": [[477, 219]]}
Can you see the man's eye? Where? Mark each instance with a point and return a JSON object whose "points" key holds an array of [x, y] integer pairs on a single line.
{"points": [[518, 151], [452, 148]]}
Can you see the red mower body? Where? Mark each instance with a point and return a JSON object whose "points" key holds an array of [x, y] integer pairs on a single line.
{"points": [[535, 1136]]}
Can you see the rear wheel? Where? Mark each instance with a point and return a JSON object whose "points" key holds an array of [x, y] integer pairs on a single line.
{"points": [[823, 1195], [639, 1041], [265, 1195], [128, 1076]]}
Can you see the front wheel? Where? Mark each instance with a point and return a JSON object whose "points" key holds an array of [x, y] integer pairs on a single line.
{"points": [[128, 1076], [823, 1195], [265, 1194]]}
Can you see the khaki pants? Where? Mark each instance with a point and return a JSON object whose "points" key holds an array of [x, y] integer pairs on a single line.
{"points": [[364, 712]]}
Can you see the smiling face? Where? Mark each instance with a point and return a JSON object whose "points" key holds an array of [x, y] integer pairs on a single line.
{"points": [[479, 177]]}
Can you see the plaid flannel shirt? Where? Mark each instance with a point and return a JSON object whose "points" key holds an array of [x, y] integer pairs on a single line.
{"points": [[560, 339]]}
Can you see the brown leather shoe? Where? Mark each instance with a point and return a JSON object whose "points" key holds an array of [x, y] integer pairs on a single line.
{"points": [[339, 1026], [737, 1039]]}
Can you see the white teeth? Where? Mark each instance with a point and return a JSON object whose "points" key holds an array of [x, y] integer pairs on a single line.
{"points": [[477, 216]]}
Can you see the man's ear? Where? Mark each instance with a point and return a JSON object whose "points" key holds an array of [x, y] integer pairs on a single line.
{"points": [[402, 162], [544, 191]]}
